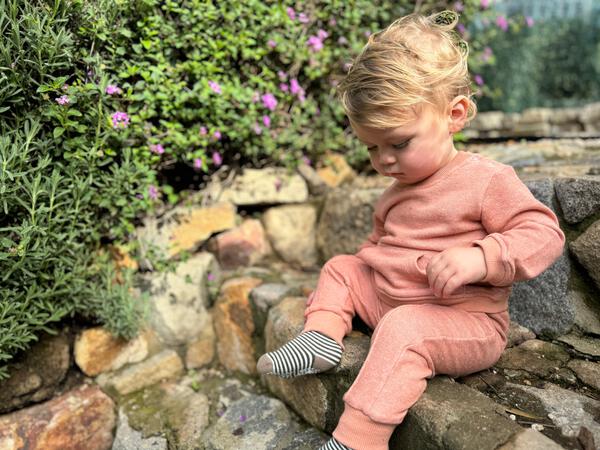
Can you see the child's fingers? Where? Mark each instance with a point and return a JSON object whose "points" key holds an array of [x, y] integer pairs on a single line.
{"points": [[441, 280], [451, 285]]}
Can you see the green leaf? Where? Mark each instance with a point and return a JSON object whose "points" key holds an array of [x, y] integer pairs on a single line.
{"points": [[58, 132]]}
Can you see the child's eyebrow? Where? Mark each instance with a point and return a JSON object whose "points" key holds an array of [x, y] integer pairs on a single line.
{"points": [[392, 137]]}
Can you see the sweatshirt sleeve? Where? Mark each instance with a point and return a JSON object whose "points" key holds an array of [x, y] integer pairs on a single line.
{"points": [[376, 233], [524, 237]]}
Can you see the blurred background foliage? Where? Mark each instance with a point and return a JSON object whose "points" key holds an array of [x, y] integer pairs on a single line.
{"points": [[110, 108]]}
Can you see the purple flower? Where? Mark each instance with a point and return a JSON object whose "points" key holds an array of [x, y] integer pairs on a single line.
{"points": [[484, 4], [502, 23], [278, 183], [197, 163], [217, 159], [459, 7], [367, 33], [291, 13], [157, 148], [284, 87], [214, 86], [303, 18], [63, 100], [461, 28], [322, 34], [203, 131], [120, 120], [478, 80], [140, 196], [217, 135], [65, 87], [269, 101], [257, 128], [243, 418], [314, 43], [210, 277], [255, 97], [282, 75], [529, 21], [271, 43], [113, 89], [342, 40], [153, 192], [332, 22], [294, 86], [267, 121], [306, 160]]}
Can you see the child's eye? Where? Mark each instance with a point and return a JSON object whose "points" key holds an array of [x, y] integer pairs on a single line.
{"points": [[401, 145]]}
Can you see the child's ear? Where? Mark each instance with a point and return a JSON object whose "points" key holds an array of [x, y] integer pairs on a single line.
{"points": [[458, 111]]}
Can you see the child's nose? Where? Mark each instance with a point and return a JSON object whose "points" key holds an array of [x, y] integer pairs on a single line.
{"points": [[386, 158]]}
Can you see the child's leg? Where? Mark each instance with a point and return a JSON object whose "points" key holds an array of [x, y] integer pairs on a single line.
{"points": [[410, 344], [345, 288]]}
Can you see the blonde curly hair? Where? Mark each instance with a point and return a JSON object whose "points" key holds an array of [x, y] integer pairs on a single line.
{"points": [[414, 61]]}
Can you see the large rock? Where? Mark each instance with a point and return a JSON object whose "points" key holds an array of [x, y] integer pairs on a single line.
{"points": [[234, 325], [336, 170], [201, 351], [164, 365], [242, 246], [542, 304], [587, 250], [587, 311], [265, 186], [254, 422], [128, 438], [346, 220], [291, 231], [587, 371], [97, 350], [579, 197], [36, 374], [179, 300], [184, 228], [81, 419], [170, 409]]}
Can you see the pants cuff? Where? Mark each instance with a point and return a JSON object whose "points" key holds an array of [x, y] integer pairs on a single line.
{"points": [[356, 430], [328, 323]]}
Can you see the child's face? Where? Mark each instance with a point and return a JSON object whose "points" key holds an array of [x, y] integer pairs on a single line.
{"points": [[412, 152]]}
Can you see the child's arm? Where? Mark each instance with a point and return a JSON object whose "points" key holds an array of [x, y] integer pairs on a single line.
{"points": [[524, 236], [524, 239]]}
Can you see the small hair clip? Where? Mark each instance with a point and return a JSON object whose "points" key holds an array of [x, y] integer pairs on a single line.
{"points": [[445, 18]]}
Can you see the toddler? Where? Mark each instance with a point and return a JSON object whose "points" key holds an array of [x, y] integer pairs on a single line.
{"points": [[450, 236]]}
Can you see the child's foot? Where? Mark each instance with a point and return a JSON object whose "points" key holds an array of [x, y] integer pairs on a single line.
{"points": [[333, 444], [310, 352]]}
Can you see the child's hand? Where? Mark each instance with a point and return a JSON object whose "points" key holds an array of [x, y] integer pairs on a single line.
{"points": [[455, 267]]}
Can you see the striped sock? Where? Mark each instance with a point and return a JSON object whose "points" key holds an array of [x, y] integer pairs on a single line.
{"points": [[310, 352], [333, 444]]}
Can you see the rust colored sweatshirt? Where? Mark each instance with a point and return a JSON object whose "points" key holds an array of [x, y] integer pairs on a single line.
{"points": [[471, 201]]}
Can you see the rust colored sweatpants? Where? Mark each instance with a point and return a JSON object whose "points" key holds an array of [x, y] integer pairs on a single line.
{"points": [[410, 343]]}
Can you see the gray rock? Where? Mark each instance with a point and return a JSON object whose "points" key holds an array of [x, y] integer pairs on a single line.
{"points": [[254, 422], [585, 345], [587, 250], [266, 186], [262, 298], [518, 334], [129, 439], [529, 439], [587, 312], [568, 410], [291, 231], [179, 300], [309, 439], [543, 190], [542, 304], [579, 197], [315, 183], [488, 121], [346, 220], [37, 374], [587, 371]]}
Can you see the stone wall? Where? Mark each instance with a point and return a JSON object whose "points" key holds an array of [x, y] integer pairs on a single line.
{"points": [[254, 248], [537, 122]]}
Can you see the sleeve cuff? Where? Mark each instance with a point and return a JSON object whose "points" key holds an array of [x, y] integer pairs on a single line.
{"points": [[498, 268]]}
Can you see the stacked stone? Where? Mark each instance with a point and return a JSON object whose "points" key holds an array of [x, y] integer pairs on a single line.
{"points": [[246, 256]]}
